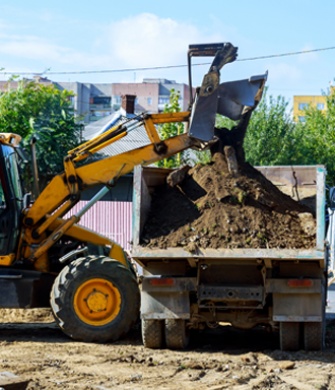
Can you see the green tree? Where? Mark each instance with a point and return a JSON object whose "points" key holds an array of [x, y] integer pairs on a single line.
{"points": [[272, 138], [314, 139], [169, 130], [43, 112], [269, 136], [259, 137]]}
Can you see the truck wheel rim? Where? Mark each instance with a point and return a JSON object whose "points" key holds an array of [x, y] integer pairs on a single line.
{"points": [[97, 302]]}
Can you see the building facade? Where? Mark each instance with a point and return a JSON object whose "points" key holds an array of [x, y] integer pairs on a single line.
{"points": [[301, 103], [95, 101]]}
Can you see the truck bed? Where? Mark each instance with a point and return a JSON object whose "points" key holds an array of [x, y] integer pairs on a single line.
{"points": [[306, 181]]}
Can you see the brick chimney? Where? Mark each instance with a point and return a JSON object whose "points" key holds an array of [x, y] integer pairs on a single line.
{"points": [[128, 103]]}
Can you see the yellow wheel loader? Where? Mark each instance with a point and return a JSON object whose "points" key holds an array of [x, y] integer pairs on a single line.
{"points": [[48, 259]]}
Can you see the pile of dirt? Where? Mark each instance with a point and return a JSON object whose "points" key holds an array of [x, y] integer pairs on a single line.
{"points": [[213, 208]]}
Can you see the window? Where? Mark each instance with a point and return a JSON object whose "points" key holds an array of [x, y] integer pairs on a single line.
{"points": [[149, 101], [302, 106], [71, 99], [117, 99], [103, 100], [163, 100], [320, 106], [100, 102], [302, 119]]}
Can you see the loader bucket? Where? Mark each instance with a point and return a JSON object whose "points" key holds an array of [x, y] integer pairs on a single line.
{"points": [[204, 110], [236, 97], [205, 105], [231, 99]]}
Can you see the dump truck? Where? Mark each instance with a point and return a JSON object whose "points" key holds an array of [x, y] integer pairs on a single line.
{"points": [[281, 289], [47, 259]]}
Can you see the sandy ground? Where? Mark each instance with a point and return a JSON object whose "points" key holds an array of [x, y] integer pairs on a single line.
{"points": [[33, 348]]}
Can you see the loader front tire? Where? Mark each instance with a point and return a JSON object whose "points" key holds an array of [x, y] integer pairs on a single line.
{"points": [[95, 299]]}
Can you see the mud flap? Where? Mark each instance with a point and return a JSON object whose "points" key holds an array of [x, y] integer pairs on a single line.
{"points": [[166, 298], [165, 306], [297, 307], [296, 304]]}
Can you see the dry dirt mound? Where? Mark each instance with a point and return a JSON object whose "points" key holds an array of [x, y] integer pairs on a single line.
{"points": [[212, 208]]}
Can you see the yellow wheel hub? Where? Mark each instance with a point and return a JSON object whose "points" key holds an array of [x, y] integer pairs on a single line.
{"points": [[97, 302]]}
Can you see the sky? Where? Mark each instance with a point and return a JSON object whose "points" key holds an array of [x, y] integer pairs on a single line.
{"points": [[114, 41]]}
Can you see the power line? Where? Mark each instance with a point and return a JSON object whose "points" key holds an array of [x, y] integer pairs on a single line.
{"points": [[163, 67], [286, 54]]}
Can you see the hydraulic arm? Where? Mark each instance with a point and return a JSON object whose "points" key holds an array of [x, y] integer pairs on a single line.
{"points": [[63, 192]]}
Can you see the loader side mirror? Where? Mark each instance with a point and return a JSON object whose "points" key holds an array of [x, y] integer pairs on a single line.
{"points": [[332, 198], [27, 200]]}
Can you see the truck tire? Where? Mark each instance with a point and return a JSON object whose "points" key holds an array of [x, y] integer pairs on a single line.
{"points": [[289, 336], [313, 336], [176, 334], [152, 333], [95, 299]]}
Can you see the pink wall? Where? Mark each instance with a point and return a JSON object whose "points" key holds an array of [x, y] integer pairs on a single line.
{"points": [[111, 219]]}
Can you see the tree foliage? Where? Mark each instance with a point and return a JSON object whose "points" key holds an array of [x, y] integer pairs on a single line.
{"points": [[273, 138], [314, 139], [43, 112], [269, 135], [169, 130]]}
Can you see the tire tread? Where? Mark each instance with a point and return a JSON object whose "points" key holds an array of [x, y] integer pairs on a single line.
{"points": [[80, 270]]}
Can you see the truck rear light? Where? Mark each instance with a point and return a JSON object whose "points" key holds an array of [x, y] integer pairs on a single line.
{"points": [[300, 283], [162, 282]]}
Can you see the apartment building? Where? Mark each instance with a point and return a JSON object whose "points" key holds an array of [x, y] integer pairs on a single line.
{"points": [[93, 101], [300, 103]]}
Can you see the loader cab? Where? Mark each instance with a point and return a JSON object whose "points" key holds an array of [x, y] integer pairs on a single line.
{"points": [[11, 199]]}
